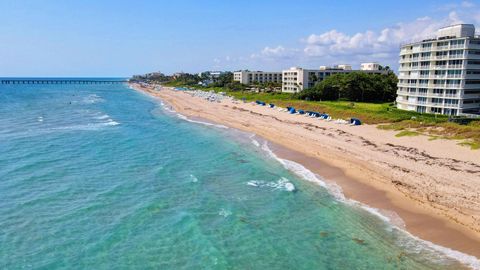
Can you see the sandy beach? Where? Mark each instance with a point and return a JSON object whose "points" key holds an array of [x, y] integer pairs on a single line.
{"points": [[432, 185]]}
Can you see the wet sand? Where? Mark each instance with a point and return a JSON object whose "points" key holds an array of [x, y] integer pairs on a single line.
{"points": [[416, 220], [433, 186]]}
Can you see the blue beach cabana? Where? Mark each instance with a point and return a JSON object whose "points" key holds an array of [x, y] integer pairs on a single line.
{"points": [[355, 122]]}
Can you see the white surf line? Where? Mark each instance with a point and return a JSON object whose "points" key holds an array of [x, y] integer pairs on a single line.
{"points": [[337, 193]]}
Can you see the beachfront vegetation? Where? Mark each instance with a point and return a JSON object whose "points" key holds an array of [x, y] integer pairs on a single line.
{"points": [[339, 96], [385, 115], [354, 86]]}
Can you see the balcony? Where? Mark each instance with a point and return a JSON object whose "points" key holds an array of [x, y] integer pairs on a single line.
{"points": [[457, 76], [456, 66], [457, 56], [441, 47], [425, 58], [450, 86], [440, 67], [474, 56], [425, 67], [441, 57], [450, 105], [457, 46]]}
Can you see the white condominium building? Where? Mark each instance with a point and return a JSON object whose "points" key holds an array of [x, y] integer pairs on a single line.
{"points": [[297, 79], [441, 75], [249, 77], [370, 66]]}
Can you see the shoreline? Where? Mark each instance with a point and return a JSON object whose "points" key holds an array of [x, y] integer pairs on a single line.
{"points": [[354, 177]]}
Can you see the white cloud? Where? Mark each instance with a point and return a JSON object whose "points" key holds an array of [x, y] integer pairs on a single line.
{"points": [[275, 52], [382, 46], [467, 4], [387, 40]]}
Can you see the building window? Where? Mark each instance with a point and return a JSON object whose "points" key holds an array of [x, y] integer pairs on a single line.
{"points": [[421, 109], [436, 110]]}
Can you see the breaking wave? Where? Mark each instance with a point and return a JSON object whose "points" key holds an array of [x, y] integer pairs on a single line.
{"points": [[410, 241]]}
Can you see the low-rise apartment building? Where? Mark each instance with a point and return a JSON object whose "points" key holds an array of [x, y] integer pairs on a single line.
{"points": [[249, 77], [297, 79]]}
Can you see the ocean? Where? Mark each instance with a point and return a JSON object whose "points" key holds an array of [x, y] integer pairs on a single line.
{"points": [[104, 177]]}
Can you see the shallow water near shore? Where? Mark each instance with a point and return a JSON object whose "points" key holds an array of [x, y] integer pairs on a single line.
{"points": [[101, 176]]}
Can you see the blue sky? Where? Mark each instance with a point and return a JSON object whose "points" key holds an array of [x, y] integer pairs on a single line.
{"points": [[121, 38]]}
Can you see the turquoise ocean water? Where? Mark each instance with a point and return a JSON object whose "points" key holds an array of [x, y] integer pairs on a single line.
{"points": [[103, 177]]}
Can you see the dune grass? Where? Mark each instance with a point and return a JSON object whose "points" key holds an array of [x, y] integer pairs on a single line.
{"points": [[407, 133], [369, 113], [472, 145]]}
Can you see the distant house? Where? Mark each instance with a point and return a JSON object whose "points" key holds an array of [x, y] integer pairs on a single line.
{"points": [[178, 75], [209, 77]]}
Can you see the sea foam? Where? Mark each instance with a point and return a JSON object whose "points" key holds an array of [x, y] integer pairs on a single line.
{"points": [[282, 184], [93, 98], [409, 241]]}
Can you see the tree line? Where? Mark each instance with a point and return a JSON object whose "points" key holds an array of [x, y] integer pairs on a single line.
{"points": [[354, 86]]}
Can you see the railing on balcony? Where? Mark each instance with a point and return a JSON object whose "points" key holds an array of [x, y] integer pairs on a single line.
{"points": [[440, 57], [457, 46], [456, 56], [450, 105]]}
